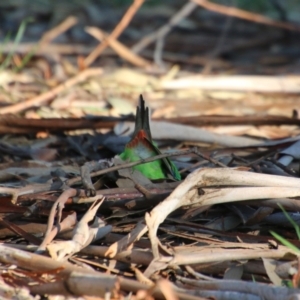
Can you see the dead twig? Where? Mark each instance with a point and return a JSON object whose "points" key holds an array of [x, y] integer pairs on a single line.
{"points": [[50, 35], [218, 48], [210, 159], [47, 96], [131, 164], [20, 231], [54, 48], [116, 32], [263, 291], [29, 189], [103, 282], [120, 49], [187, 193], [56, 210], [85, 171], [65, 224], [13, 124], [139, 230], [83, 234], [245, 15], [249, 83], [186, 10]]}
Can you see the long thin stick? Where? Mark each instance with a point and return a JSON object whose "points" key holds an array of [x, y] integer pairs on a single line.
{"points": [[40, 99], [116, 32], [130, 164], [242, 14], [187, 9]]}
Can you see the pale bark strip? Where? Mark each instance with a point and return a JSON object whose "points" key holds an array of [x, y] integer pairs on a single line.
{"points": [[78, 283], [271, 187], [244, 83], [102, 284], [264, 291], [197, 256], [179, 132], [128, 240]]}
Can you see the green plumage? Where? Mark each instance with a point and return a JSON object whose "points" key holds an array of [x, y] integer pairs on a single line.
{"points": [[141, 146]]}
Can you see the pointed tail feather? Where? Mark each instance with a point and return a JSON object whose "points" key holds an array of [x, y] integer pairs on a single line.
{"points": [[146, 118], [142, 119]]}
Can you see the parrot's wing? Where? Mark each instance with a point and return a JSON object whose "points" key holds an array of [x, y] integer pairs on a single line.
{"points": [[167, 163]]}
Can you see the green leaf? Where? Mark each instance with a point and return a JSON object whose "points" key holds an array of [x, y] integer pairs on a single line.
{"points": [[295, 225], [17, 41], [285, 242]]}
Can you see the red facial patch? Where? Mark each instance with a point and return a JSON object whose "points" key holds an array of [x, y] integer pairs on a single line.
{"points": [[141, 134], [140, 137]]}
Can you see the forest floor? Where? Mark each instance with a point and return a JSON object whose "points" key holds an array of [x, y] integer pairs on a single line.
{"points": [[223, 88]]}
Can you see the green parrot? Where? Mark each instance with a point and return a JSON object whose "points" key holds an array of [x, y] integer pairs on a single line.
{"points": [[141, 146]]}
